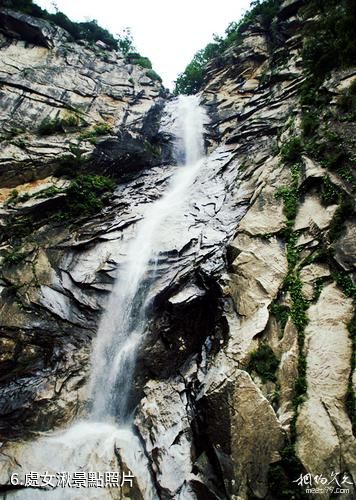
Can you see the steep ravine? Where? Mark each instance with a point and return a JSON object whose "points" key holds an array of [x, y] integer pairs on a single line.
{"points": [[244, 381]]}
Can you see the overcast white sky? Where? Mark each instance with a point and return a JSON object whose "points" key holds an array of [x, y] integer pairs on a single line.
{"points": [[169, 33]]}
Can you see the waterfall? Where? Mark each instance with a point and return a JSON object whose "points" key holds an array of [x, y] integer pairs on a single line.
{"points": [[92, 445], [122, 326]]}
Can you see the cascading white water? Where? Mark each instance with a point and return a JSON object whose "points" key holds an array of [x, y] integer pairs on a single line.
{"points": [[91, 445], [122, 326]]}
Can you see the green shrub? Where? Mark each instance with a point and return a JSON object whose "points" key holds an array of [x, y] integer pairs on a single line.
{"points": [[132, 55], [330, 192], [67, 165], [264, 362], [290, 196], [345, 283], [102, 129], [50, 126], [291, 151], [25, 6], [191, 79], [292, 251], [154, 149], [88, 194], [134, 58], [153, 75], [49, 192], [13, 198], [88, 30], [14, 257], [328, 44], [96, 131], [330, 150], [290, 199], [281, 313], [11, 133], [125, 41], [310, 123], [330, 37], [300, 304], [91, 31]]}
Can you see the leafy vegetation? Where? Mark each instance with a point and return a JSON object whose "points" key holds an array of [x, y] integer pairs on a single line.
{"points": [[125, 41], [324, 141], [291, 151], [16, 197], [50, 126], [49, 192], [14, 257], [285, 471], [300, 305], [190, 81], [329, 44], [264, 362], [350, 396], [13, 132], [345, 283], [68, 165], [136, 58], [281, 313], [290, 196], [97, 130], [153, 75], [327, 147], [13, 198], [145, 63], [88, 30], [87, 194], [329, 192], [310, 123], [17, 228], [154, 149], [330, 37]]}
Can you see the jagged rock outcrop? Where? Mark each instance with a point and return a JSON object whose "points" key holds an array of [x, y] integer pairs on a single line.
{"points": [[244, 381], [322, 419], [77, 89]]}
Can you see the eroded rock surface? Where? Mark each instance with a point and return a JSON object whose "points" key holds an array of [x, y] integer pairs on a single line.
{"points": [[238, 275], [83, 86]]}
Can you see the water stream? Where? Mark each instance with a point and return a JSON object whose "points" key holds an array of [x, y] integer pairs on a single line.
{"points": [[123, 323], [90, 445]]}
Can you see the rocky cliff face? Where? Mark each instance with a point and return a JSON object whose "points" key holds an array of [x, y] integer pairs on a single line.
{"points": [[59, 96], [245, 381]]}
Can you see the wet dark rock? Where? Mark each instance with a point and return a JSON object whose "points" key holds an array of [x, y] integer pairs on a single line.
{"points": [[33, 30], [209, 429], [124, 153]]}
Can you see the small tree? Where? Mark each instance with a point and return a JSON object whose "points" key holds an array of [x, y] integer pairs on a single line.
{"points": [[125, 41]]}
